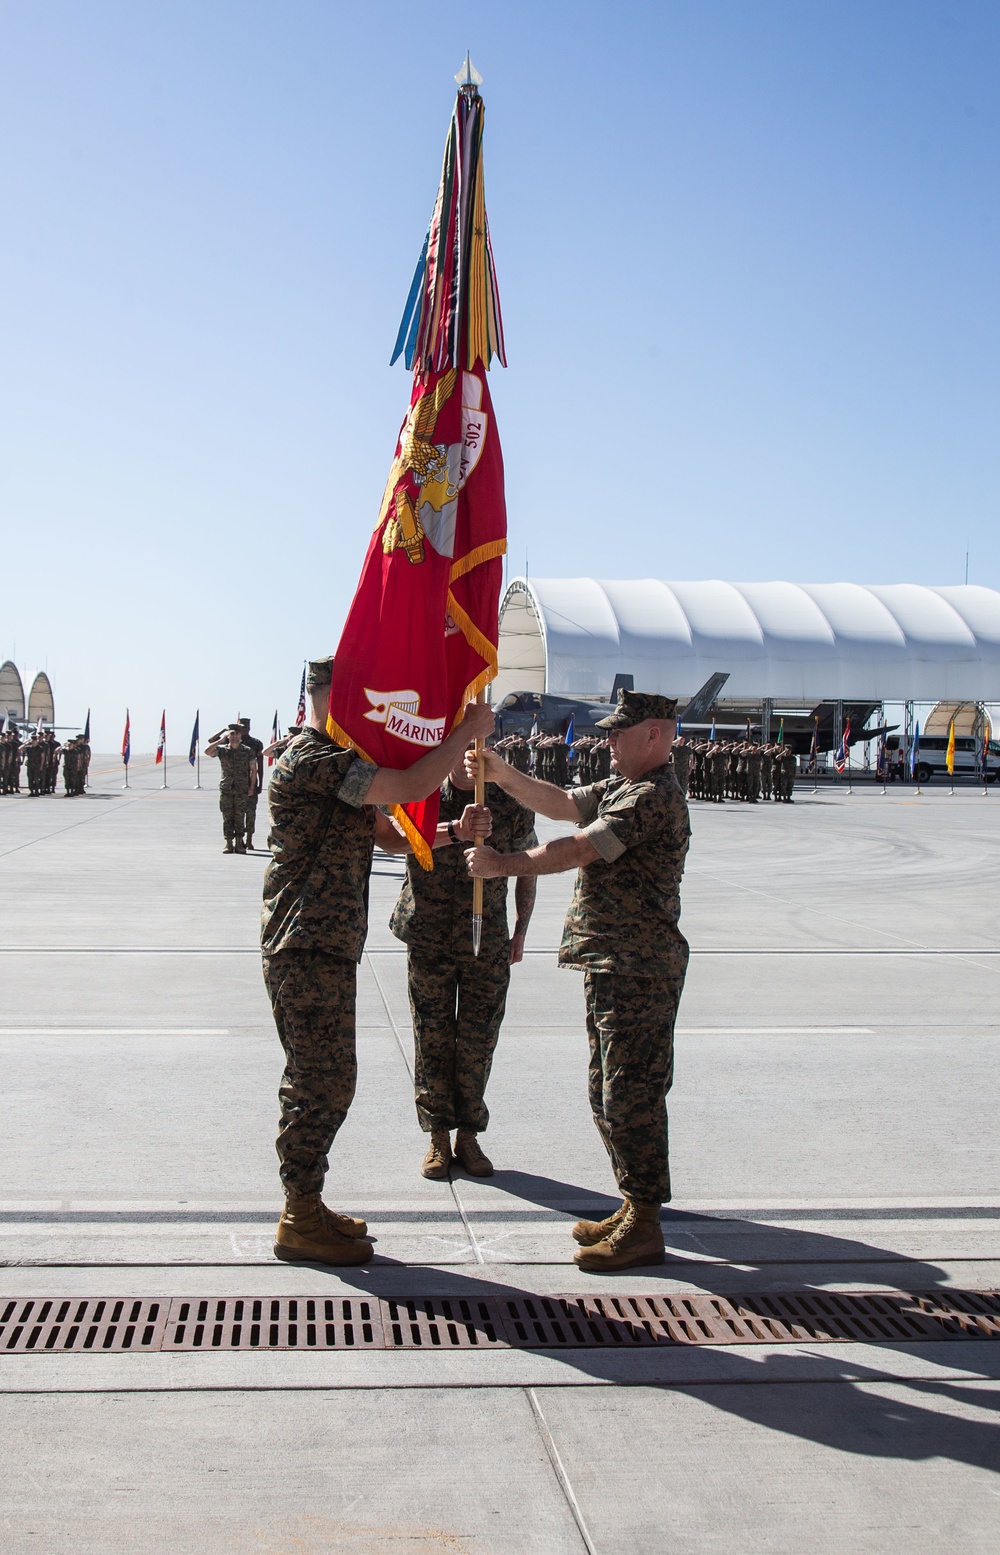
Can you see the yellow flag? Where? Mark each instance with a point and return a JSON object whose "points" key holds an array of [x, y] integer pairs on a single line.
{"points": [[949, 755]]}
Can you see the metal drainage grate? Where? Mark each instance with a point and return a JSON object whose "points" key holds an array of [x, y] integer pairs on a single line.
{"points": [[32, 1324], [525, 1322], [443, 1323], [274, 1323]]}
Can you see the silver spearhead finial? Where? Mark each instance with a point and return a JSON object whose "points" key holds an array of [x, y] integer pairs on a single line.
{"points": [[469, 75]]}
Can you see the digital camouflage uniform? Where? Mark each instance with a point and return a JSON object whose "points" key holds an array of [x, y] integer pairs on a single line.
{"points": [[234, 786], [621, 928], [251, 807], [457, 999], [682, 766], [313, 928]]}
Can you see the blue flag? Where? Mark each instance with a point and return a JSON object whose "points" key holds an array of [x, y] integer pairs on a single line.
{"points": [[192, 753], [570, 732], [915, 749]]}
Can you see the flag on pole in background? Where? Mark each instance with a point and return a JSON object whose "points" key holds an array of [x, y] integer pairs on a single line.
{"points": [[274, 736], [300, 715], [6, 724], [127, 740], [814, 747], [193, 750], [987, 736], [840, 760], [781, 732], [680, 729], [86, 727], [162, 746], [570, 734], [420, 640], [40, 725], [711, 733], [915, 750], [880, 758], [949, 755]]}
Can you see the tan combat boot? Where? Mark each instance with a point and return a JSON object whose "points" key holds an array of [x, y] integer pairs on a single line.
{"points": [[469, 1155], [308, 1233], [241, 846], [637, 1239], [229, 846], [589, 1232], [438, 1158]]}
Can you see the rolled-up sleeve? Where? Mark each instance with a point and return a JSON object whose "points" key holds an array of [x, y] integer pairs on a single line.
{"points": [[357, 781], [587, 800], [603, 840]]}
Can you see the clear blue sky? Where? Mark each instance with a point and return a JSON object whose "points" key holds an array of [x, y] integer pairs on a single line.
{"points": [[748, 257]]}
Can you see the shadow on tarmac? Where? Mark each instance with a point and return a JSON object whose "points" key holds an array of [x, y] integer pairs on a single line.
{"points": [[852, 1418]]}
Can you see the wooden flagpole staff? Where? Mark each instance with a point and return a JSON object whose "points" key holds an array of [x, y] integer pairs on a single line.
{"points": [[477, 884]]}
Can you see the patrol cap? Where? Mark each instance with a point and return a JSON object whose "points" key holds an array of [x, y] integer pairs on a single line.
{"points": [[237, 727], [244, 723], [634, 707], [319, 673]]}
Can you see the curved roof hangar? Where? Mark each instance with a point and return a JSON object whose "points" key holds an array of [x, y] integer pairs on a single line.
{"points": [[801, 643]]}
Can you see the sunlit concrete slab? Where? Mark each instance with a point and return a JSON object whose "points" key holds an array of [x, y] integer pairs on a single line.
{"points": [[832, 1127], [357, 1472]]}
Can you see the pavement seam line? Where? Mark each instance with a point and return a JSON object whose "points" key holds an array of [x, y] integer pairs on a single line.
{"points": [[409, 1069], [98, 815], [559, 1470]]}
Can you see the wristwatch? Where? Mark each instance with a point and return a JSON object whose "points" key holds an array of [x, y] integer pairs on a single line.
{"points": [[451, 832]]}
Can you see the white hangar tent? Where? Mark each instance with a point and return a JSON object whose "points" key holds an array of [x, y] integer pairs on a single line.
{"points": [[790, 642]]}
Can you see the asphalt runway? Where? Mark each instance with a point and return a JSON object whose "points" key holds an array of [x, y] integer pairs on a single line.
{"points": [[833, 1129]]}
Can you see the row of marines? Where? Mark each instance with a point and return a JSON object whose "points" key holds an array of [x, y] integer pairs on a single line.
{"points": [[549, 758], [734, 769], [40, 755]]}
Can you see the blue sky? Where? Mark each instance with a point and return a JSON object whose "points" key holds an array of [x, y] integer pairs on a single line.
{"points": [[747, 255]]}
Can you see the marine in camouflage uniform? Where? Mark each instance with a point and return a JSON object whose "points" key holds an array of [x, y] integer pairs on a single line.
{"points": [[314, 921], [681, 759], [622, 930], [457, 999], [239, 764], [766, 762], [258, 749]]}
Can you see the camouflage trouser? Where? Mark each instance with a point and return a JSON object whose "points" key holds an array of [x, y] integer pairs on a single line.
{"points": [[313, 998], [630, 1023], [457, 1008], [251, 814], [234, 809]]}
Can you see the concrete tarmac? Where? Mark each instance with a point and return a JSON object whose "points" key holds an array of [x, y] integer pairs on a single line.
{"points": [[832, 1127]]}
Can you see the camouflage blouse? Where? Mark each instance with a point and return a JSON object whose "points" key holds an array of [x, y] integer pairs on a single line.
{"points": [[237, 766], [322, 838], [434, 910], [625, 907]]}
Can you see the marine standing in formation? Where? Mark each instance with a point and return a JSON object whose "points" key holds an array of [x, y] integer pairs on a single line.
{"points": [[458, 999], [10, 762], [622, 929], [738, 769], [258, 750], [76, 765], [237, 783], [593, 758], [325, 821]]}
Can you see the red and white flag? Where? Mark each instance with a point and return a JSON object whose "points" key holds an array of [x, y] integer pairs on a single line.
{"points": [[161, 749]]}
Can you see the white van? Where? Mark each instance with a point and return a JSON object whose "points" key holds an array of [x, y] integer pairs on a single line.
{"points": [[931, 757]]}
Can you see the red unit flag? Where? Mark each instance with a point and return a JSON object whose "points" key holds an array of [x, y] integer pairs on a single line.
{"points": [[161, 747], [420, 640]]}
